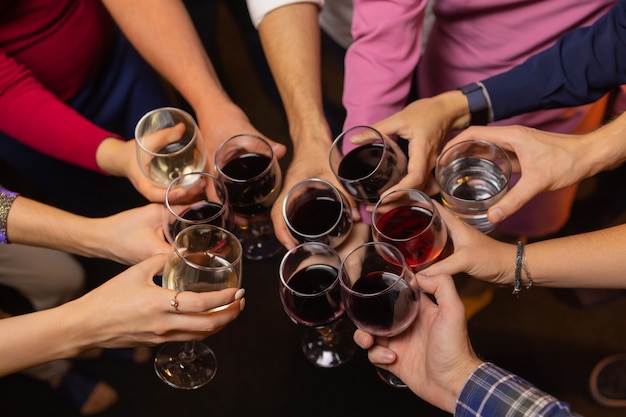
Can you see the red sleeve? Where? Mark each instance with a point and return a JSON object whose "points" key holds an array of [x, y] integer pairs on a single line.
{"points": [[36, 117]]}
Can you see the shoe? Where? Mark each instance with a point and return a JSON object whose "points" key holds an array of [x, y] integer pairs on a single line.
{"points": [[608, 381], [84, 393]]}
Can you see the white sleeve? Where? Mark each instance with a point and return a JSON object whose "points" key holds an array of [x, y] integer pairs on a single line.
{"points": [[259, 8]]}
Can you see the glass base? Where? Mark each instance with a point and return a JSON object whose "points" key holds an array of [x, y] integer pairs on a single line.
{"points": [[185, 369], [329, 346], [390, 379]]}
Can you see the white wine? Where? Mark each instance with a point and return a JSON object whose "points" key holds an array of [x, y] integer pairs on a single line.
{"points": [[201, 272]]}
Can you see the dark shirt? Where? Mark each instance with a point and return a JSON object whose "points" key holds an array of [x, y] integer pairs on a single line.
{"points": [[580, 68]]}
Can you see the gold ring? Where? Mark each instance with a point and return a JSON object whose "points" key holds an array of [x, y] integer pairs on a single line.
{"points": [[174, 302]]}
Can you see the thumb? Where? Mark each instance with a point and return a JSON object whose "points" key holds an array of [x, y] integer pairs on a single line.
{"points": [[512, 201]]}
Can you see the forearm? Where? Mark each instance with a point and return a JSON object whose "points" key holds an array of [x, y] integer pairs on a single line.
{"points": [[291, 41], [40, 337], [590, 260], [580, 68], [32, 223], [164, 35]]}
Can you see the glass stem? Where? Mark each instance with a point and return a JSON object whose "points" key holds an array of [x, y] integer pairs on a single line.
{"points": [[188, 353]]}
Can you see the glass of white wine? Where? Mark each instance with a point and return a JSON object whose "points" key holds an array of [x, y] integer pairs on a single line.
{"points": [[203, 258], [168, 145]]}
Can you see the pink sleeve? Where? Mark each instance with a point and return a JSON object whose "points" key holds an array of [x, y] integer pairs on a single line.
{"points": [[36, 117], [381, 62]]}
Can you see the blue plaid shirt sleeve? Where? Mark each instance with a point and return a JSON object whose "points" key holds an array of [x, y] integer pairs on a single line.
{"points": [[492, 391]]}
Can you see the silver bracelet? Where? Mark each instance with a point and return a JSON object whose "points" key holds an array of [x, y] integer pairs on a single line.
{"points": [[520, 266], [6, 201]]}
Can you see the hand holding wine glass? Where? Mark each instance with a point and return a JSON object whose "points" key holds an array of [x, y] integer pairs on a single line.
{"points": [[196, 198], [203, 258], [310, 294], [379, 292], [168, 145], [248, 168]]}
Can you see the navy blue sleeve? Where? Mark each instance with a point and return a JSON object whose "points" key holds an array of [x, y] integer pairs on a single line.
{"points": [[580, 68]]}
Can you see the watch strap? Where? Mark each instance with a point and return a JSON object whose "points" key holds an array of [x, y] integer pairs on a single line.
{"points": [[479, 107]]}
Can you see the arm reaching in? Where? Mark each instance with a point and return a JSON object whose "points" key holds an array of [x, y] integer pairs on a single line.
{"points": [[127, 311], [550, 161]]}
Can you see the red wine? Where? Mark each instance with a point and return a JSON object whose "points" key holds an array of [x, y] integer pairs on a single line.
{"points": [[251, 197], [316, 214], [407, 228], [319, 307], [385, 314], [362, 176], [197, 213]]}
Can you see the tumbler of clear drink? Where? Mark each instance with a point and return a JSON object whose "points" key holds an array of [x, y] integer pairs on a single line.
{"points": [[473, 175]]}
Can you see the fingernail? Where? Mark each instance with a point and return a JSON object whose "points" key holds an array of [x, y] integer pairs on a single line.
{"points": [[239, 294], [242, 304], [388, 357], [496, 215]]}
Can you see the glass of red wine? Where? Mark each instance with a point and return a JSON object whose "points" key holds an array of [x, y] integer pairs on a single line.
{"points": [[248, 168], [196, 198], [310, 294], [409, 220], [169, 145], [379, 292], [316, 211], [366, 162]]}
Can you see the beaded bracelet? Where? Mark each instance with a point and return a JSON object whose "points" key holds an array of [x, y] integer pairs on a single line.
{"points": [[6, 201], [520, 265]]}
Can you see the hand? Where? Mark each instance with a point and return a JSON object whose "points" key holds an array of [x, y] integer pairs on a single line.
{"points": [[131, 310], [475, 253], [425, 123], [434, 356], [548, 161], [132, 235], [221, 123], [310, 161], [119, 158]]}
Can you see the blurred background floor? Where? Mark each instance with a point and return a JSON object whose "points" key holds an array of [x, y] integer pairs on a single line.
{"points": [[546, 336]]}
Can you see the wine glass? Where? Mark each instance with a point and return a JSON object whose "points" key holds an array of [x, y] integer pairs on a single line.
{"points": [[367, 168], [379, 292], [316, 211], [473, 175], [195, 198], [310, 294], [409, 220], [203, 258], [169, 144], [248, 168]]}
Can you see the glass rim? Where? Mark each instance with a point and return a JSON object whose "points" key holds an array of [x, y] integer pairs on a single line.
{"points": [[185, 114], [484, 142], [383, 139], [228, 234], [433, 210], [244, 180], [204, 174], [293, 250], [331, 187], [398, 277]]}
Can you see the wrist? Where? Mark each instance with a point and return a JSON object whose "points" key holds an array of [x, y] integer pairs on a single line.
{"points": [[478, 103], [108, 156], [456, 108]]}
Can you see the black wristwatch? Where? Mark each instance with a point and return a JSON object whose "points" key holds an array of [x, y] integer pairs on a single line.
{"points": [[480, 109]]}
